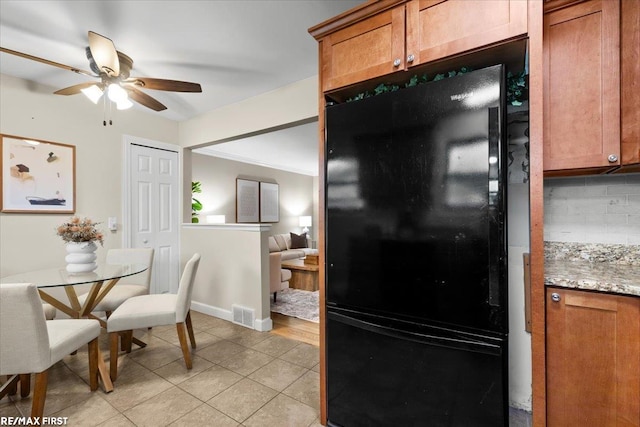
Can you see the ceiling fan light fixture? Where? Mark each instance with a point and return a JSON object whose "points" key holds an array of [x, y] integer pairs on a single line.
{"points": [[124, 104], [116, 93], [94, 93]]}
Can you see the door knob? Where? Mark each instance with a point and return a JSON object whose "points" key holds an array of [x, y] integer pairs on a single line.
{"points": [[555, 297], [410, 58], [145, 241], [397, 62], [612, 158]]}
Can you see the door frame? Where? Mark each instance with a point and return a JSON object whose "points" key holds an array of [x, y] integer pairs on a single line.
{"points": [[127, 142]]}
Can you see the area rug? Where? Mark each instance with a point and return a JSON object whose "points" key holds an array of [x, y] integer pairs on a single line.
{"points": [[296, 303]]}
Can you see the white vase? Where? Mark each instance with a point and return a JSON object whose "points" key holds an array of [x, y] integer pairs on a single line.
{"points": [[81, 257]]}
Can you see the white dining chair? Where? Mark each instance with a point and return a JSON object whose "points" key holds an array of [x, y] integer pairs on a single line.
{"points": [[49, 311], [127, 287], [31, 344], [147, 311]]}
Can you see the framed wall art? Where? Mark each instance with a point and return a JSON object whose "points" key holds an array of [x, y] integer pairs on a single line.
{"points": [[247, 200], [37, 176], [269, 204]]}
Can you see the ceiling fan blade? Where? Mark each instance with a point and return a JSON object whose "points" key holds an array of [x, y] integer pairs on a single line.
{"points": [[75, 89], [163, 84], [104, 53], [46, 61], [144, 99]]}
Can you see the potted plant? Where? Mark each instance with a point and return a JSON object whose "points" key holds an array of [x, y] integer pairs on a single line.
{"points": [[196, 206], [80, 236]]}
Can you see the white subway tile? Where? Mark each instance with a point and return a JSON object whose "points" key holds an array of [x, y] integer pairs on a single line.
{"points": [[605, 180], [565, 182], [616, 219], [559, 209], [606, 238], [634, 219], [633, 178], [595, 209], [623, 228], [624, 189], [595, 218], [631, 207], [581, 210]]}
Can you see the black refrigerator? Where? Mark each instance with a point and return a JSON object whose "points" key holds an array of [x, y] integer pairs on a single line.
{"points": [[416, 262]]}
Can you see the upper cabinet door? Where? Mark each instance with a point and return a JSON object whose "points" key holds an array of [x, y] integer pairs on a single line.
{"points": [[582, 86], [630, 83], [367, 49], [440, 28]]}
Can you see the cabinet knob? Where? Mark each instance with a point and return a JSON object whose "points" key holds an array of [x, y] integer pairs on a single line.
{"points": [[397, 62], [555, 297], [410, 58], [612, 158]]}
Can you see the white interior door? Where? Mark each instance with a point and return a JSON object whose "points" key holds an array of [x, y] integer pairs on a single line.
{"points": [[154, 211]]}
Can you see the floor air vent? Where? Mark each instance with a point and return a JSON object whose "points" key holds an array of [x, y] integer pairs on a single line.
{"points": [[243, 316]]}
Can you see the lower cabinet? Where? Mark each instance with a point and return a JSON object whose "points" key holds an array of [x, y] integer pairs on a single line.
{"points": [[593, 359]]}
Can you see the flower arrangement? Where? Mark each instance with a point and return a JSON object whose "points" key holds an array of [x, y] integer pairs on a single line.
{"points": [[80, 230]]}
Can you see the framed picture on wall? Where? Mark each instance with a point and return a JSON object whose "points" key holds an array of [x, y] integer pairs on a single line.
{"points": [[37, 176], [269, 204], [247, 200]]}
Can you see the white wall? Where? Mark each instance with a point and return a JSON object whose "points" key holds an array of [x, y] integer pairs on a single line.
{"points": [[281, 107], [233, 270], [215, 291], [218, 178], [593, 209], [520, 374], [29, 241]]}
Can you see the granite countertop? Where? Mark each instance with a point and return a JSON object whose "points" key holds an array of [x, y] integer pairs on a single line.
{"points": [[596, 267]]}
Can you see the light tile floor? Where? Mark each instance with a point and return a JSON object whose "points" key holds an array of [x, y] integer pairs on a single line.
{"points": [[240, 377]]}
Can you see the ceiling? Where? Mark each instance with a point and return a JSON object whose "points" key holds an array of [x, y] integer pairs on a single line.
{"points": [[235, 49]]}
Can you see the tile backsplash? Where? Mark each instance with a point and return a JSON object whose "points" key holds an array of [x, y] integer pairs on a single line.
{"points": [[593, 209]]}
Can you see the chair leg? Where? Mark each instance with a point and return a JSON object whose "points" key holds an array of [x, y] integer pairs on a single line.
{"points": [[10, 387], [39, 394], [113, 355], [183, 344], [25, 385], [93, 364], [127, 339], [192, 337]]}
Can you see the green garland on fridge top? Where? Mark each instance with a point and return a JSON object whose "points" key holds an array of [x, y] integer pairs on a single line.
{"points": [[517, 85]]}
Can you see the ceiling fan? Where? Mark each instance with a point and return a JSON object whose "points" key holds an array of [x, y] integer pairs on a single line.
{"points": [[113, 69]]}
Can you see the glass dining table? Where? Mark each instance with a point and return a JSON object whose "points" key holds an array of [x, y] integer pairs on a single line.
{"points": [[101, 281]]}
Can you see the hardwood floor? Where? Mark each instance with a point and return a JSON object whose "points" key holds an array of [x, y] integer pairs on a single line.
{"points": [[296, 329]]}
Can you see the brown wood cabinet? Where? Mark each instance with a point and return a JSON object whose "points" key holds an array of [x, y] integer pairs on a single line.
{"points": [[440, 28], [405, 34], [593, 359], [367, 49], [630, 83], [591, 111]]}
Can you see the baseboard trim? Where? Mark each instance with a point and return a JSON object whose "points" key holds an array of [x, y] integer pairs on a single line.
{"points": [[262, 325]]}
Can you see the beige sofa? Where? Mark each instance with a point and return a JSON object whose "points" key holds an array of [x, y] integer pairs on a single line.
{"points": [[278, 277], [282, 243]]}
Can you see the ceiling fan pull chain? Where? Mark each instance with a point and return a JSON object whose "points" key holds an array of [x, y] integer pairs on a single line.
{"points": [[104, 111]]}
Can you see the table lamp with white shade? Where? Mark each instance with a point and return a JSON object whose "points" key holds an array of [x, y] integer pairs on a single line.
{"points": [[305, 223]]}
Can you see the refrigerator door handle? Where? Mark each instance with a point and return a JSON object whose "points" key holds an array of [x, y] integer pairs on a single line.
{"points": [[441, 341], [496, 188]]}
